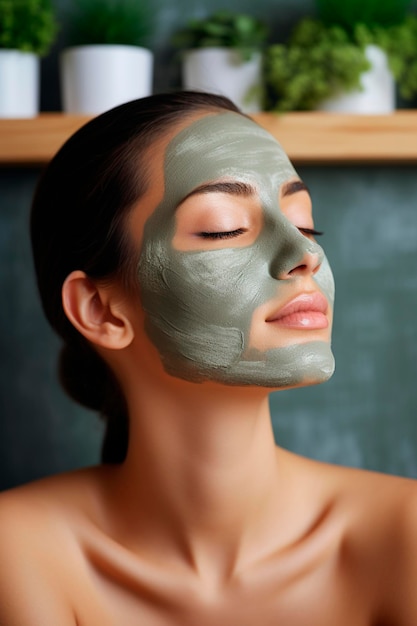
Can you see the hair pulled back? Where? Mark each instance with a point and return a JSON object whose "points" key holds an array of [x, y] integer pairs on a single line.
{"points": [[77, 222]]}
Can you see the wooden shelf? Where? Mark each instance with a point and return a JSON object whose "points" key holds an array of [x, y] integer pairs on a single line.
{"points": [[34, 141], [335, 138], [309, 138]]}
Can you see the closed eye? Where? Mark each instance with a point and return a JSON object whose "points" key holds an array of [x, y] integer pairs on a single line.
{"points": [[240, 231], [311, 231], [223, 235]]}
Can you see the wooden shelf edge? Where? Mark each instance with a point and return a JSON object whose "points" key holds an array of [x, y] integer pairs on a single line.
{"points": [[308, 138], [34, 141], [333, 138]]}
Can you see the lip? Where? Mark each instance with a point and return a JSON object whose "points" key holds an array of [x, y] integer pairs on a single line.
{"points": [[307, 311]]}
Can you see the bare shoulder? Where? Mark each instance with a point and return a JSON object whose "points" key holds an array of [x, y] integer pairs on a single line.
{"points": [[38, 550], [378, 489], [380, 539], [45, 505], [394, 525], [380, 500], [401, 549], [364, 493]]}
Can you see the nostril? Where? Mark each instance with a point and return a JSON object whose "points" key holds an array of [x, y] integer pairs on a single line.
{"points": [[299, 268], [309, 264], [297, 256]]}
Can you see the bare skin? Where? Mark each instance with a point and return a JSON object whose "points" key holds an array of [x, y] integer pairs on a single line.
{"points": [[343, 553], [207, 522]]}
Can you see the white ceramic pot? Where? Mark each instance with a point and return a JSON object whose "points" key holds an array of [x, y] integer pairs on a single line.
{"points": [[19, 83], [378, 89], [222, 71], [96, 78]]}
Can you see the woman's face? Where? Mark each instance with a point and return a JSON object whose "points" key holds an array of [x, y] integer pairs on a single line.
{"points": [[234, 287]]}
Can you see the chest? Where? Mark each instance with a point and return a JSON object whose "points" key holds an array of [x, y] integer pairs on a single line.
{"points": [[283, 594]]}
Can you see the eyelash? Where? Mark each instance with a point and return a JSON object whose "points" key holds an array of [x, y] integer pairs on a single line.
{"points": [[240, 231], [226, 235], [311, 231]]}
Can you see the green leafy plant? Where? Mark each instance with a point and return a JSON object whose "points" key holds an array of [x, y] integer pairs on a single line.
{"points": [[224, 29], [27, 25], [127, 22], [326, 54], [400, 43], [386, 23], [370, 13], [316, 62]]}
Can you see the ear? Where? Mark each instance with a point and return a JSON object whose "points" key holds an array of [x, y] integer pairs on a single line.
{"points": [[96, 312]]}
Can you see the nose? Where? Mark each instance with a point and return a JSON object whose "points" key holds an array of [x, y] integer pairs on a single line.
{"points": [[308, 264], [298, 256]]}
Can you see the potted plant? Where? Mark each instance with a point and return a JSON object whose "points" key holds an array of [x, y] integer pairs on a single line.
{"points": [[222, 53], [27, 31], [106, 60], [400, 42], [342, 60]]}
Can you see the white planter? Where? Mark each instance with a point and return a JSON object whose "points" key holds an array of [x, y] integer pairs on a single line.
{"points": [[19, 84], [378, 89], [99, 77], [222, 71]]}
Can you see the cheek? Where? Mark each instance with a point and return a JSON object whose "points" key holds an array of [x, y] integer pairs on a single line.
{"points": [[217, 285], [221, 287], [325, 280]]}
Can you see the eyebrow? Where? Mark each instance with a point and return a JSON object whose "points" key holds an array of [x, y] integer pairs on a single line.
{"points": [[234, 188], [294, 186], [240, 188]]}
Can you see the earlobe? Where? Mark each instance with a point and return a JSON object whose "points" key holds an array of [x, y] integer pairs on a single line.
{"points": [[95, 312]]}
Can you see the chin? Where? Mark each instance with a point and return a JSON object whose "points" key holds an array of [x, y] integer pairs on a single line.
{"points": [[279, 368]]}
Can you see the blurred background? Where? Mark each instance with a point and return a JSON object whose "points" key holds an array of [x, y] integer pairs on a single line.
{"points": [[365, 416]]}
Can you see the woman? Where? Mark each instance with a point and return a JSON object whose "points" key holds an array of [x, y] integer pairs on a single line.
{"points": [[175, 255]]}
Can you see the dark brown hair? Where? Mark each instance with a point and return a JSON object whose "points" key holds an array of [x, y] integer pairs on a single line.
{"points": [[77, 222]]}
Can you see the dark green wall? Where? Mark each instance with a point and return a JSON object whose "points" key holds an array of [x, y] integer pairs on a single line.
{"points": [[365, 416], [41, 431]]}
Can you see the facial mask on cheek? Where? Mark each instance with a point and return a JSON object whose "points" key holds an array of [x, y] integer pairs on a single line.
{"points": [[200, 305]]}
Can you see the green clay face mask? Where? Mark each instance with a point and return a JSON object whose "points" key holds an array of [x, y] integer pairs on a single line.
{"points": [[200, 304]]}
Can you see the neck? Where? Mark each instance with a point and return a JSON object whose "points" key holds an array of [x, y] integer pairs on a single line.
{"points": [[201, 470]]}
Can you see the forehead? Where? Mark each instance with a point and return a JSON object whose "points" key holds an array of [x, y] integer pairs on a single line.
{"points": [[224, 145]]}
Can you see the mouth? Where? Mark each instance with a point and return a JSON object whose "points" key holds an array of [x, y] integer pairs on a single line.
{"points": [[308, 311]]}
